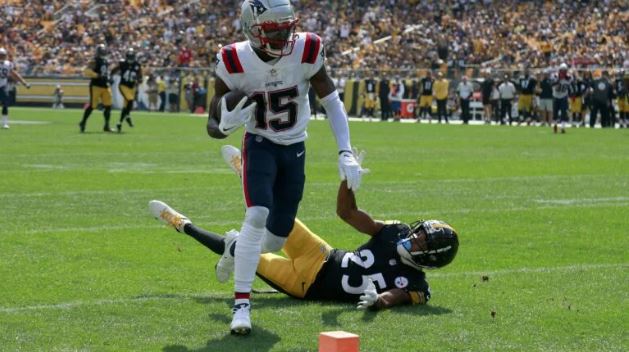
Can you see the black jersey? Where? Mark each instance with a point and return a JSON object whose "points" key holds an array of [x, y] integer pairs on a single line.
{"points": [[620, 91], [130, 73], [546, 89], [526, 85], [101, 67], [426, 86], [577, 88], [345, 274]]}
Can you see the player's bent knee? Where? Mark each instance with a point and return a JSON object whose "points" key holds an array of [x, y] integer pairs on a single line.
{"points": [[256, 216], [272, 243]]}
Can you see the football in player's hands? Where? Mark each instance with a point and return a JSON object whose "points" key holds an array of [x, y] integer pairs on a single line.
{"points": [[232, 98]]}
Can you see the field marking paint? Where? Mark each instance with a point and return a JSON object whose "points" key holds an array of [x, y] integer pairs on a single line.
{"points": [[25, 122], [136, 300], [578, 201]]}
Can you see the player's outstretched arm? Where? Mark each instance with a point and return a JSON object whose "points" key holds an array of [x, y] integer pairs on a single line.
{"points": [[370, 299], [347, 210], [323, 85], [20, 79]]}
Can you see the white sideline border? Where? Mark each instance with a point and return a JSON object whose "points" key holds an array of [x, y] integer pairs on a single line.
{"points": [[102, 302]]}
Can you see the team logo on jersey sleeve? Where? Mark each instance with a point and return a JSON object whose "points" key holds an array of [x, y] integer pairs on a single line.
{"points": [[401, 282]]}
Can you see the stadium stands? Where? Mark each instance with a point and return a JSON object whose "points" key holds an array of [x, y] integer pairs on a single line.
{"points": [[57, 37]]}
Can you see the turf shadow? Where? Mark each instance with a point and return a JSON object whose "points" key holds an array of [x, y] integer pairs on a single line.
{"points": [[259, 340]]}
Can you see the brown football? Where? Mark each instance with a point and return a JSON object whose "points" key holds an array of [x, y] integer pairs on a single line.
{"points": [[232, 99]]}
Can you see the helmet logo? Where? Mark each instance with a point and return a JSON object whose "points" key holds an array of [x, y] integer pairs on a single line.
{"points": [[401, 282], [257, 7]]}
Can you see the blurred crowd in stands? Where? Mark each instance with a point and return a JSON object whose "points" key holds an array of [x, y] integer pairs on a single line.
{"points": [[58, 37]]}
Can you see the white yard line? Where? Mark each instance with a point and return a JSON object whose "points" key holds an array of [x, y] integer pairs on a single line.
{"points": [[579, 201], [136, 300]]}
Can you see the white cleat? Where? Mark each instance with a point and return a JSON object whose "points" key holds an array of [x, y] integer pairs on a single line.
{"points": [[232, 157], [241, 321], [168, 215], [225, 266], [5, 126]]}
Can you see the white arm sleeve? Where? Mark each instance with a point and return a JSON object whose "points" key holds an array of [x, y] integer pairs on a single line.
{"points": [[338, 120]]}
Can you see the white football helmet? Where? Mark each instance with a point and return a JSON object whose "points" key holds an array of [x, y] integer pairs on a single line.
{"points": [[269, 25], [3, 53]]}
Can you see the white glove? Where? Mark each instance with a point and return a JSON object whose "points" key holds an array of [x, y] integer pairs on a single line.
{"points": [[350, 169], [369, 296], [232, 120]]}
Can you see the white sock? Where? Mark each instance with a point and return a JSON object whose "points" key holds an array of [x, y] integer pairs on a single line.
{"points": [[248, 246], [5, 120]]}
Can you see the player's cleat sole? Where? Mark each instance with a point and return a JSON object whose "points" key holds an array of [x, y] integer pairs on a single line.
{"points": [[241, 321], [167, 215], [232, 157], [225, 266]]}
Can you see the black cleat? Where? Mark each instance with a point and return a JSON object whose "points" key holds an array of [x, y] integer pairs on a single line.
{"points": [[129, 121], [119, 127], [108, 129], [81, 127]]}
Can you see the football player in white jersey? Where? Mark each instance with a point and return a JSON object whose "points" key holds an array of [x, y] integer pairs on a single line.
{"points": [[274, 67], [7, 70], [561, 85]]}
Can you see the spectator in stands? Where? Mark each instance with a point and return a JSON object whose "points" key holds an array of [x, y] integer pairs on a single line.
{"points": [[465, 89], [507, 94]]}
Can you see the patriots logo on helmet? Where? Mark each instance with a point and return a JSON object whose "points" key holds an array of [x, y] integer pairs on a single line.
{"points": [[257, 7]]}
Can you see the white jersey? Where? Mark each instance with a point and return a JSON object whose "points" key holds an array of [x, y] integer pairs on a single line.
{"points": [[280, 89], [561, 86], [6, 67]]}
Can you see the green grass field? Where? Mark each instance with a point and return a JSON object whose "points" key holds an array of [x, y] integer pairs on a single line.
{"points": [[84, 267]]}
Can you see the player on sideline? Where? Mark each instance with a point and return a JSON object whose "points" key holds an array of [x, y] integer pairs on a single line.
{"points": [[561, 86], [385, 271], [98, 71], [130, 72], [274, 67], [7, 70]]}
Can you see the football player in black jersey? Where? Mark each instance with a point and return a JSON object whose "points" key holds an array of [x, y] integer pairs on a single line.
{"points": [[130, 72], [98, 72], [385, 271]]}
